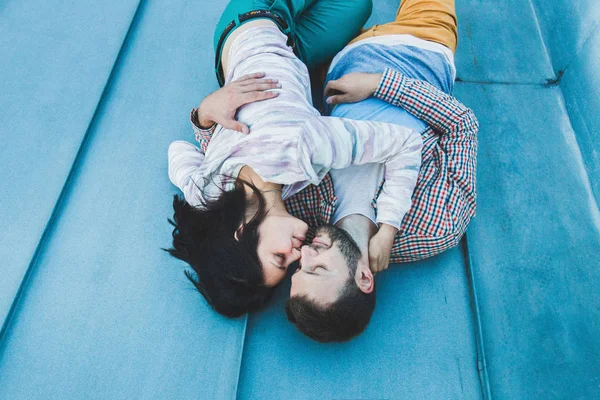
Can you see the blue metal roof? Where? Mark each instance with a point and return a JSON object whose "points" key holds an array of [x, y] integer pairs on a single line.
{"points": [[92, 94]]}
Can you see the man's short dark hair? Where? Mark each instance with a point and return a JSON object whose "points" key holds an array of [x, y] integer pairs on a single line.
{"points": [[227, 272], [346, 317], [340, 321]]}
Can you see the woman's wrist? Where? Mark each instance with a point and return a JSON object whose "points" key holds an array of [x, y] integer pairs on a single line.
{"points": [[202, 120]]}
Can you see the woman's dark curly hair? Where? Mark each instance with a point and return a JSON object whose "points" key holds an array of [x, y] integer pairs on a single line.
{"points": [[227, 271]]}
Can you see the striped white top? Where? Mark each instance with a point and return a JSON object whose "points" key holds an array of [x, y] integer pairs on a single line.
{"points": [[289, 142]]}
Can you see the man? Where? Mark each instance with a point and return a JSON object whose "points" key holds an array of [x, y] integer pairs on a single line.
{"points": [[333, 293]]}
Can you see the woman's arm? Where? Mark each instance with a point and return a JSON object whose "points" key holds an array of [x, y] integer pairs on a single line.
{"points": [[185, 161], [455, 123], [336, 143], [221, 106]]}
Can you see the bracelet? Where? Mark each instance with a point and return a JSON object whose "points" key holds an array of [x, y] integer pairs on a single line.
{"points": [[196, 122]]}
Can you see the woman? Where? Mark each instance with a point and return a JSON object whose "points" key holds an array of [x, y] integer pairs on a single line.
{"points": [[232, 227]]}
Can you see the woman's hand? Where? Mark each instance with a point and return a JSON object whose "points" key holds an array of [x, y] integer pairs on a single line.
{"points": [[220, 106], [380, 247], [352, 88]]}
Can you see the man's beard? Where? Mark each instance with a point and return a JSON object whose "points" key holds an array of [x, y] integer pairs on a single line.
{"points": [[344, 242]]}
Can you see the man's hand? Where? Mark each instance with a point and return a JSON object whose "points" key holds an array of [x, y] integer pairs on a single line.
{"points": [[220, 107], [380, 247], [352, 88]]}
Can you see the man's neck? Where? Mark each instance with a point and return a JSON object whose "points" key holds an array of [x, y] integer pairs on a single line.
{"points": [[360, 228]]}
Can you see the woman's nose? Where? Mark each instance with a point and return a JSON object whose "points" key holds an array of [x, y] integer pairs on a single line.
{"points": [[307, 252], [295, 255]]}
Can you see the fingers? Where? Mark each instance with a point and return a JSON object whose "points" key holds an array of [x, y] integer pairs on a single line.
{"points": [[385, 265], [373, 261], [377, 266], [248, 82], [378, 262], [254, 75], [338, 99], [236, 126], [373, 266], [336, 92], [332, 87], [263, 84], [257, 96]]}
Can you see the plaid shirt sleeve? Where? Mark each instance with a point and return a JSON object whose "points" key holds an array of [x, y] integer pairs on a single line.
{"points": [[444, 199], [202, 135], [314, 204]]}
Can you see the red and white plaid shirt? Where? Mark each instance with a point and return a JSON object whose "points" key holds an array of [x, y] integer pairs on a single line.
{"points": [[444, 198]]}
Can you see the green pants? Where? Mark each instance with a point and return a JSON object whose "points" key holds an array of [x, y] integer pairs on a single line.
{"points": [[317, 28]]}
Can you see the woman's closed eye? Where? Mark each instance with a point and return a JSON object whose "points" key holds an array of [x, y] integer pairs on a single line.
{"points": [[281, 261]]}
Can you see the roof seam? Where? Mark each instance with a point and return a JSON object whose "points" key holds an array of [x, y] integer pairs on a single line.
{"points": [[541, 34], [479, 343]]}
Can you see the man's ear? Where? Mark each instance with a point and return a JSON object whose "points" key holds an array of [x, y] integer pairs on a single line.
{"points": [[238, 232], [365, 280]]}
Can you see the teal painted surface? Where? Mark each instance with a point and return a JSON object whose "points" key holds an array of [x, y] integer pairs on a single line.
{"points": [[106, 314], [55, 64], [572, 35], [581, 88], [499, 41], [535, 246]]}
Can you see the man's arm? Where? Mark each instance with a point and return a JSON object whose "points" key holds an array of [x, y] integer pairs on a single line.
{"points": [[203, 133], [457, 128], [454, 122], [442, 112], [185, 160]]}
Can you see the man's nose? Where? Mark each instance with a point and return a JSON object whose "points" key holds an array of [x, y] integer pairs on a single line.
{"points": [[308, 256]]}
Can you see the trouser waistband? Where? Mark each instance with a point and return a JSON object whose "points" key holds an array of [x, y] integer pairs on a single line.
{"points": [[241, 18]]}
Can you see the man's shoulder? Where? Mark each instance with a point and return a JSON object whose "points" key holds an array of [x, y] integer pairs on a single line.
{"points": [[315, 203]]}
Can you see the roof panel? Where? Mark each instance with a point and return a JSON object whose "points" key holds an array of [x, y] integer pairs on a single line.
{"points": [[108, 314], [60, 59], [500, 41], [535, 245]]}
